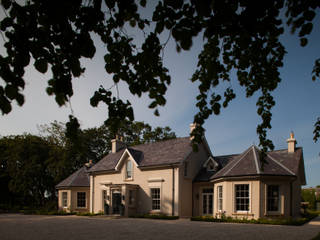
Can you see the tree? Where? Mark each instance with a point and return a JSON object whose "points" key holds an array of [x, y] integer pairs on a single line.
{"points": [[238, 35], [308, 195], [26, 168]]}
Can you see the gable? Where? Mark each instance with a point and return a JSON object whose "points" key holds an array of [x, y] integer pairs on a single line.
{"points": [[125, 156], [210, 164]]}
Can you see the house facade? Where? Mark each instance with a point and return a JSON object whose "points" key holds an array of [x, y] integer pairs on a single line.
{"points": [[168, 177]]}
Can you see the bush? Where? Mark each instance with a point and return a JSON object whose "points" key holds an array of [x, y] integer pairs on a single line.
{"points": [[88, 214], [280, 221], [155, 216]]}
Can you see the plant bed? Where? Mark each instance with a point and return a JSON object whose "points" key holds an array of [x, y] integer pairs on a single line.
{"points": [[155, 216], [280, 221], [89, 214]]}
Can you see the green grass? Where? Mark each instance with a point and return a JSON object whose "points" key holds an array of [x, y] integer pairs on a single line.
{"points": [[280, 221], [155, 216]]}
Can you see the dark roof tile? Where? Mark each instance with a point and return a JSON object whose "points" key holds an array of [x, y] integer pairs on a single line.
{"points": [[80, 178]]}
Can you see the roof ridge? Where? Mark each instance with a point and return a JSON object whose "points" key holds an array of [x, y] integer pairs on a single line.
{"points": [[280, 164], [255, 159], [243, 155], [155, 142]]}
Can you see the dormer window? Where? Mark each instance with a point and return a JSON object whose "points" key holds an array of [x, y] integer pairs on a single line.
{"points": [[129, 170], [211, 165]]}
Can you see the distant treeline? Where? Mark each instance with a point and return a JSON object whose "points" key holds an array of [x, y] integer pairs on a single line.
{"points": [[31, 165]]}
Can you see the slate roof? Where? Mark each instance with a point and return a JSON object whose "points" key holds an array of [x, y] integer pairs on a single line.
{"points": [[80, 178], [278, 163], [166, 152], [205, 176]]}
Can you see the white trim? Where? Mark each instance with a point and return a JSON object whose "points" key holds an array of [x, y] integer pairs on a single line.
{"points": [[106, 183], [255, 159], [122, 159], [281, 165], [234, 198], [85, 198], [212, 160], [155, 180]]}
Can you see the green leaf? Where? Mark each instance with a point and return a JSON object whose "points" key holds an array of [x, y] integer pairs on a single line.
{"points": [[6, 3], [143, 3], [303, 42], [41, 65]]}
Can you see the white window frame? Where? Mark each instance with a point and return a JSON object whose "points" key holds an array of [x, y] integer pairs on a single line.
{"points": [[249, 197], [85, 200], [207, 194], [155, 199], [131, 170], [279, 199], [220, 198], [64, 200]]}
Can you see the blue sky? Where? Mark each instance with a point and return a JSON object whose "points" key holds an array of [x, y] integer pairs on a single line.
{"points": [[234, 130]]}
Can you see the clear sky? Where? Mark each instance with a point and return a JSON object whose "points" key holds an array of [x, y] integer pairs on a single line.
{"points": [[233, 131]]}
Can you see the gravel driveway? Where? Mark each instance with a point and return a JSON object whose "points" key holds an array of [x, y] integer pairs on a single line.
{"points": [[15, 226]]}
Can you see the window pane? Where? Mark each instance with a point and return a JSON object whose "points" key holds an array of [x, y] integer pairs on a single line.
{"points": [[155, 196], [64, 199], [129, 169], [273, 198], [81, 199], [242, 200]]}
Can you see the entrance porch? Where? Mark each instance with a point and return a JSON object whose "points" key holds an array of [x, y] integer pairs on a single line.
{"points": [[119, 199]]}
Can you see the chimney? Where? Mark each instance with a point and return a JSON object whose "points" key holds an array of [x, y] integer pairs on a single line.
{"points": [[291, 143], [192, 127], [89, 164], [117, 144]]}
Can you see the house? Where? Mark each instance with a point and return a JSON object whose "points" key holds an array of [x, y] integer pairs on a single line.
{"points": [[168, 177]]}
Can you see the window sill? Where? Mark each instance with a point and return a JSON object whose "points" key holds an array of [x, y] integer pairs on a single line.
{"points": [[155, 211], [128, 179]]}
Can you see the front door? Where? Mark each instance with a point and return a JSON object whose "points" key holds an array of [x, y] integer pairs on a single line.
{"points": [[207, 201], [116, 202]]}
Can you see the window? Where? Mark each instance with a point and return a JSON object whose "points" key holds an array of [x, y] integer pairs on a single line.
{"points": [[220, 198], [207, 201], [273, 198], [64, 199], [242, 197], [81, 199], [129, 169], [155, 196], [185, 169]]}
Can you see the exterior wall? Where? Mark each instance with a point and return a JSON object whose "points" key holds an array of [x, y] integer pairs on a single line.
{"points": [[145, 179], [197, 197], [72, 199], [296, 198], [284, 202], [60, 204], [194, 161], [229, 199]]}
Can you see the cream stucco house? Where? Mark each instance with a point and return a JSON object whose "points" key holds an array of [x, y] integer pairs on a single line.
{"points": [[168, 177]]}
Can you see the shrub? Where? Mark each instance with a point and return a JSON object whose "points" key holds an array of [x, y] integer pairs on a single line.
{"points": [[155, 216], [280, 221]]}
